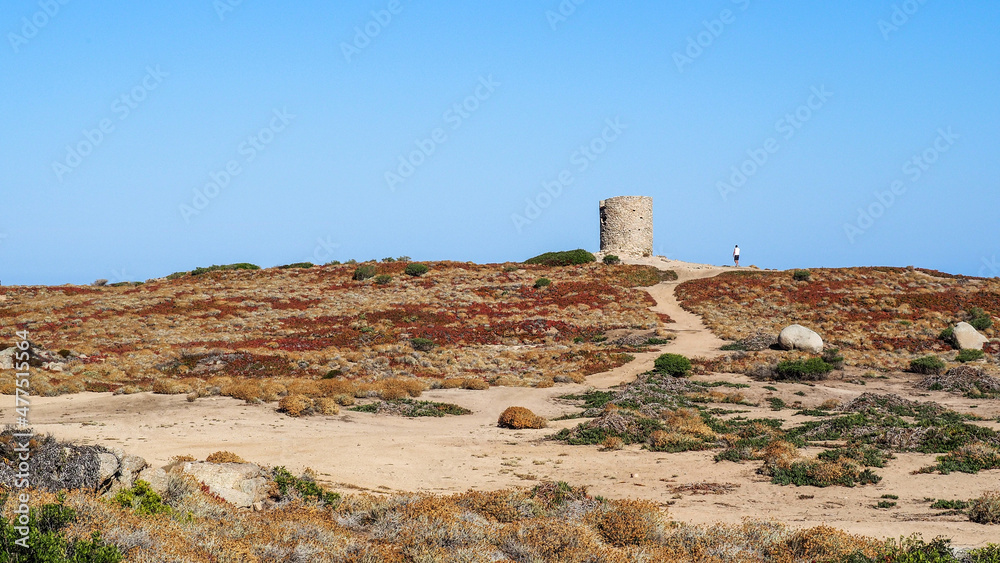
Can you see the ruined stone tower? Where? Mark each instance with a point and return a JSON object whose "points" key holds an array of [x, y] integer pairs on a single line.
{"points": [[627, 225]]}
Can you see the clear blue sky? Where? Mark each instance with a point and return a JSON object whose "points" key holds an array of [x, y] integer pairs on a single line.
{"points": [[310, 117]]}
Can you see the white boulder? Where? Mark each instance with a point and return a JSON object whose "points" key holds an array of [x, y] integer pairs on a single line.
{"points": [[798, 337], [967, 337], [240, 484]]}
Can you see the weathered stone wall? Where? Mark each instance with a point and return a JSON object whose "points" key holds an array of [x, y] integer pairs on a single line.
{"points": [[627, 225]]}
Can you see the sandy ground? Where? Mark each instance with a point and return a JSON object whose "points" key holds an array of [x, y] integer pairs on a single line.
{"points": [[360, 451]]}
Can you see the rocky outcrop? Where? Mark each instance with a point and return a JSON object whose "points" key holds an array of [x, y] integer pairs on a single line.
{"points": [[798, 337], [967, 337], [240, 484]]}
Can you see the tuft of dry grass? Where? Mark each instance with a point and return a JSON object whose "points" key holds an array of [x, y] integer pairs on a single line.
{"points": [[224, 457]]}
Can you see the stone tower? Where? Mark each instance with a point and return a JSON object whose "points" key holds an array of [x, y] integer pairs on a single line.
{"points": [[627, 225]]}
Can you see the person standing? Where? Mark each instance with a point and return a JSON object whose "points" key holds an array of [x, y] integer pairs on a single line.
{"points": [[736, 255]]}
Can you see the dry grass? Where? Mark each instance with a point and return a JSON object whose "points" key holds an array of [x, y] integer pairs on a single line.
{"points": [[224, 457]]}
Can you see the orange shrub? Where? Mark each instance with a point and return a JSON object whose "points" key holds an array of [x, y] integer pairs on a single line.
{"points": [[326, 405], [519, 417], [296, 405], [224, 457]]}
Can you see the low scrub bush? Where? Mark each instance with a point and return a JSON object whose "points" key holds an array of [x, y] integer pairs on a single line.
{"points": [[927, 365], [304, 487], [611, 260], [224, 457], [970, 355], [297, 265], [416, 269], [801, 275], [563, 258], [673, 364], [986, 508], [142, 499], [812, 369], [412, 409], [47, 542], [363, 272], [383, 279], [422, 344], [296, 405], [612, 443], [517, 418], [214, 268], [979, 319], [948, 336], [542, 282]]}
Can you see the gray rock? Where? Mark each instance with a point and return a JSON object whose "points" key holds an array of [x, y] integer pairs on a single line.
{"points": [[131, 466], [968, 337], [107, 468], [156, 477], [240, 484], [798, 337], [7, 358]]}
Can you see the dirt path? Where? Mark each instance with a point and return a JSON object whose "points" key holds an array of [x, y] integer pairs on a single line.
{"points": [[381, 453]]}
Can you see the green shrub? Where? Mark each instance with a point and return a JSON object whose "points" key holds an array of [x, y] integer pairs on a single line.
{"points": [[801, 275], [403, 259], [611, 259], [734, 347], [654, 341], [142, 499], [673, 364], [364, 272], [383, 279], [776, 403], [564, 258], [297, 265], [47, 543], [948, 336], [927, 365], [808, 370], [214, 268], [885, 504], [421, 344], [389, 259], [416, 269], [333, 373], [942, 504], [832, 356], [988, 554], [979, 319], [542, 282], [307, 488], [970, 355]]}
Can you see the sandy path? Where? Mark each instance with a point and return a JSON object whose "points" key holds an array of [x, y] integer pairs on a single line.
{"points": [[453, 454]]}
